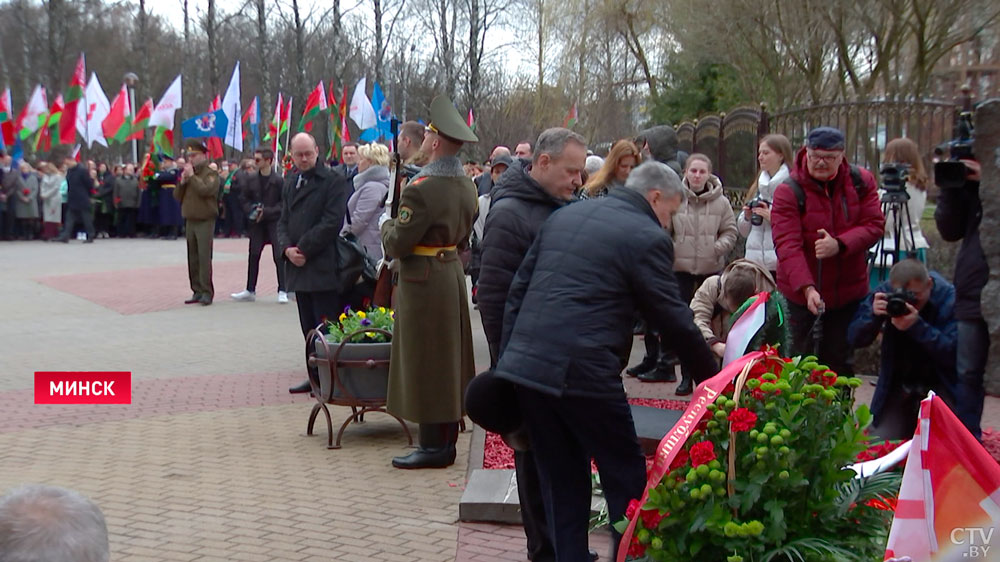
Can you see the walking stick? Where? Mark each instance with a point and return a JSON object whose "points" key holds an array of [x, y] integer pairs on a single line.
{"points": [[817, 330]]}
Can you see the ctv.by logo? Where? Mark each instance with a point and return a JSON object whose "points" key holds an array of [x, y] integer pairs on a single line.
{"points": [[976, 539]]}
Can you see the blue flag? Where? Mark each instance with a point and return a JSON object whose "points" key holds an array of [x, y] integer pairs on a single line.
{"points": [[383, 113], [211, 124]]}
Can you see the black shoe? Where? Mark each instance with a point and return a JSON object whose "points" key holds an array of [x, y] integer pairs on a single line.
{"points": [[88, 241], [63, 240], [195, 298], [427, 458], [205, 300], [685, 388], [593, 554], [645, 366], [300, 389], [658, 375]]}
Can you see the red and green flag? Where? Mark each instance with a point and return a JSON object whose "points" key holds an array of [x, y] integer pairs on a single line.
{"points": [[215, 143], [275, 125], [67, 123], [315, 103], [6, 119], [471, 120], [163, 140], [570, 117], [141, 120], [118, 124], [286, 117], [345, 133], [33, 114], [43, 142]]}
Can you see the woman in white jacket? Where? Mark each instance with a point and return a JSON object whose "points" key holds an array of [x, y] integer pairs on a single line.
{"points": [[774, 156]]}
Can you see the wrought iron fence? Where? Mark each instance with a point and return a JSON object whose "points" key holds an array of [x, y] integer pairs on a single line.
{"points": [[731, 139]]}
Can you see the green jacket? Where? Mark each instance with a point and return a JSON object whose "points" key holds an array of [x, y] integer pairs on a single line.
{"points": [[199, 194]]}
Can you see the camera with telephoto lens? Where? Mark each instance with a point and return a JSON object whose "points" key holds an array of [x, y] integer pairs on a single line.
{"points": [[896, 301], [952, 173], [255, 211], [894, 176], [758, 201]]}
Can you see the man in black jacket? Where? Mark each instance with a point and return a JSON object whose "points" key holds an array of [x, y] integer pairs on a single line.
{"points": [[958, 214], [522, 200], [79, 186], [260, 201], [567, 335], [313, 203]]}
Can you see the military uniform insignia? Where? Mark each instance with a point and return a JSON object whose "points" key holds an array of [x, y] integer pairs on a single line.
{"points": [[405, 214]]}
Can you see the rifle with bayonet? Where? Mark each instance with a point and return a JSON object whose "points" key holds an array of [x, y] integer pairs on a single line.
{"points": [[384, 284]]}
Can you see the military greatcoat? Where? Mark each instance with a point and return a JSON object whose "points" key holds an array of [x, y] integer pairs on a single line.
{"points": [[432, 356]]}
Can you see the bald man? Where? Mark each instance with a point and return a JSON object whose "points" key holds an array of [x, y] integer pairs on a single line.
{"points": [[313, 203]]}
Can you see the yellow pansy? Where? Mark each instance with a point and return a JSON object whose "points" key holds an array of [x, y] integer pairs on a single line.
{"points": [[361, 314], [370, 334], [343, 317], [381, 309]]}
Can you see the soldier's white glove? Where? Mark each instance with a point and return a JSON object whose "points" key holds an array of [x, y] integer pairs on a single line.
{"points": [[385, 216]]}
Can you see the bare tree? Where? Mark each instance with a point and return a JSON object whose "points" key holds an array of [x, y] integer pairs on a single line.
{"points": [[261, 44], [210, 25]]}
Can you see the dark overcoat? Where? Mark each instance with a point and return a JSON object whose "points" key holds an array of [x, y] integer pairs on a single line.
{"points": [[432, 356], [313, 204]]}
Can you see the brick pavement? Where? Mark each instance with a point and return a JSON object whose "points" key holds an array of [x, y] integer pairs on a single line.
{"points": [[210, 462]]}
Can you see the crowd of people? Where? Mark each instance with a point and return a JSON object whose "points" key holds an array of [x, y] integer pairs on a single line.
{"points": [[570, 255]]}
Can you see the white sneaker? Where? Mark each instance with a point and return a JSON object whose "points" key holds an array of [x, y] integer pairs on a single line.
{"points": [[244, 296], [282, 297]]}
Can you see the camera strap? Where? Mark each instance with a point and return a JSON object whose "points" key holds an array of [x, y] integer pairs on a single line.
{"points": [[800, 194]]}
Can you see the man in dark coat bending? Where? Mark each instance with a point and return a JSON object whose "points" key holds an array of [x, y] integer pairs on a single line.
{"points": [[567, 334]]}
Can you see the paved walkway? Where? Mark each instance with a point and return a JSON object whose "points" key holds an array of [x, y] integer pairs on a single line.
{"points": [[210, 461]]}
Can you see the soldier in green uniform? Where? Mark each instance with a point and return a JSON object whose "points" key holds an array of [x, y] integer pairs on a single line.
{"points": [[198, 193], [432, 357]]}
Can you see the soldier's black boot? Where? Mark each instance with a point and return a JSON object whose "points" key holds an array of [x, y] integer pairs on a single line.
{"points": [[436, 450], [686, 386], [664, 370]]}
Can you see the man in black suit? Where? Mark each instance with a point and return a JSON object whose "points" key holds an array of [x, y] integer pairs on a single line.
{"points": [[313, 204]]}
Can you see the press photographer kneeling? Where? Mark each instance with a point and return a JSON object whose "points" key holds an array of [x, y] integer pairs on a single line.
{"points": [[915, 312]]}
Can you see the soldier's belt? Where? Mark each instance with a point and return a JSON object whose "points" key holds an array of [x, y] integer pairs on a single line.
{"points": [[433, 251]]}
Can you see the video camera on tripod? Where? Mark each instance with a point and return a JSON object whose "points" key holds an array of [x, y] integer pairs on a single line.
{"points": [[952, 173], [896, 209]]}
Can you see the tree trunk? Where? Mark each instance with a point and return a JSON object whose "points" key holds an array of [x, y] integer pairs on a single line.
{"points": [[262, 61], [338, 31], [142, 47], [377, 5], [211, 33], [300, 52], [54, 12], [475, 28]]}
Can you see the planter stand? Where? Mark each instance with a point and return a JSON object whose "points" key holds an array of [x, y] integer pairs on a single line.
{"points": [[332, 386]]}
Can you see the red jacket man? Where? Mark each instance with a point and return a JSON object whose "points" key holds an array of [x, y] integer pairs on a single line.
{"points": [[823, 248]]}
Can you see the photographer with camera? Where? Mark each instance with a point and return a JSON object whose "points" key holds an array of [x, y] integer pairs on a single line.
{"points": [[958, 214], [915, 312], [774, 156], [261, 201]]}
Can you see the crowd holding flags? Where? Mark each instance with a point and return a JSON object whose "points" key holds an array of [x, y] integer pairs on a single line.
{"points": [[84, 109]]}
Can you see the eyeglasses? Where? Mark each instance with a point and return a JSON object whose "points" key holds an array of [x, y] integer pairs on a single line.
{"points": [[828, 158]]}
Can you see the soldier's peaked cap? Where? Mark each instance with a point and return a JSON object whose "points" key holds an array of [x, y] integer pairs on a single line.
{"points": [[446, 121]]}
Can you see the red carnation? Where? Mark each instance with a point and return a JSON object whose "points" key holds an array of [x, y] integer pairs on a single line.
{"points": [[650, 518], [679, 460], [633, 505], [702, 453], [636, 549], [26, 191], [742, 419]]}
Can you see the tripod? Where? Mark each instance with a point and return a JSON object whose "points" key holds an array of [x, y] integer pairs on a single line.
{"points": [[896, 210]]}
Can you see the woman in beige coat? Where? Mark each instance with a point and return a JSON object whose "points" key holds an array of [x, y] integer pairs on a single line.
{"points": [[704, 228]]}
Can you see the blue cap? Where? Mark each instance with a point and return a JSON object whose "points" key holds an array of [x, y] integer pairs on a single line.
{"points": [[825, 138]]}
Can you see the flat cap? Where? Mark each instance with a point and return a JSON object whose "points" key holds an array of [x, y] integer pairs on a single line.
{"points": [[502, 159], [446, 121], [825, 138], [196, 145]]}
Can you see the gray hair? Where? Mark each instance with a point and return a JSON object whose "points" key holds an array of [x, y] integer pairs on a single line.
{"points": [[50, 524], [553, 141], [652, 175]]}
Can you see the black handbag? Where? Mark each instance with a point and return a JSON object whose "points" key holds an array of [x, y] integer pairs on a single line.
{"points": [[354, 264]]}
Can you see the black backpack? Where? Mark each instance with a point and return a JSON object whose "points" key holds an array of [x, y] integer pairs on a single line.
{"points": [[800, 194]]}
